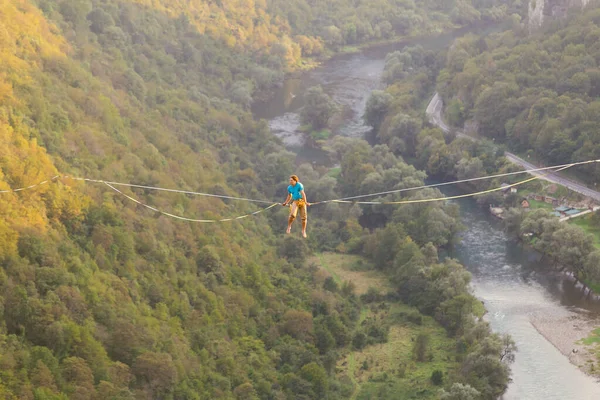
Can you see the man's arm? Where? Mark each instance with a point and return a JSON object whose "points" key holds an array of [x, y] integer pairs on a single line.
{"points": [[304, 197], [288, 198]]}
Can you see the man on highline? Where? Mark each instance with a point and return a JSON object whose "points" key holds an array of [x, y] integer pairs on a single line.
{"points": [[297, 200]]}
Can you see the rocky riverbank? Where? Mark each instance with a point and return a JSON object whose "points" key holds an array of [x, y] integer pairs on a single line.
{"points": [[566, 334]]}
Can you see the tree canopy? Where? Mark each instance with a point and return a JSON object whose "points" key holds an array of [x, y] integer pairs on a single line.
{"points": [[535, 93], [100, 299]]}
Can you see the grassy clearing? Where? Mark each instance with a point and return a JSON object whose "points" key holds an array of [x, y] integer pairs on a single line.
{"points": [[593, 338], [388, 370], [593, 343], [586, 224], [344, 267], [534, 204], [334, 172], [323, 134], [392, 372]]}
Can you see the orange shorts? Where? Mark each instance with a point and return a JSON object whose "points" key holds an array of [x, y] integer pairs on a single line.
{"points": [[294, 208]]}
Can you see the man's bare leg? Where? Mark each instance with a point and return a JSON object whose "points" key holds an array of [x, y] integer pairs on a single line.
{"points": [[289, 228], [304, 228]]}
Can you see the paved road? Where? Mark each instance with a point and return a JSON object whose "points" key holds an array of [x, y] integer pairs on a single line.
{"points": [[434, 112]]}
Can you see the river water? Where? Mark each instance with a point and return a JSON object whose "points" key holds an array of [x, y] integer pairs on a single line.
{"points": [[506, 277]]}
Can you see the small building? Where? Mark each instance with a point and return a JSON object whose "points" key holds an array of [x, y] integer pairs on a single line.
{"points": [[566, 211], [505, 187], [572, 212], [525, 203], [513, 189], [550, 200], [556, 214], [537, 197]]}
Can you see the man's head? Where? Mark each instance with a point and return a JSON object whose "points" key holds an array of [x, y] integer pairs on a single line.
{"points": [[293, 180]]}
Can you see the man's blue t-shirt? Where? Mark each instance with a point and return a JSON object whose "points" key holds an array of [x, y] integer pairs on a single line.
{"points": [[295, 190]]}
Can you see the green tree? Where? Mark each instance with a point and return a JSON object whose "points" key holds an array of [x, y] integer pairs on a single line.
{"points": [[404, 127], [421, 347], [316, 376], [100, 20], [377, 108], [460, 391], [330, 284], [294, 250], [333, 36], [298, 324], [572, 247], [324, 340], [493, 107], [42, 377], [75, 12], [437, 377], [455, 113], [79, 377], [245, 391], [359, 340], [592, 267], [157, 371], [318, 108]]}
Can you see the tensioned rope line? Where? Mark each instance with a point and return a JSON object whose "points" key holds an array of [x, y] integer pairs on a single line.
{"points": [[168, 190], [342, 200], [451, 197], [185, 218], [336, 201], [466, 180], [269, 202], [30, 186]]}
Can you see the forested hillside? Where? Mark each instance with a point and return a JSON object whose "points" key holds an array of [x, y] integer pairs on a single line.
{"points": [[520, 94], [101, 299], [537, 94], [339, 22], [397, 119]]}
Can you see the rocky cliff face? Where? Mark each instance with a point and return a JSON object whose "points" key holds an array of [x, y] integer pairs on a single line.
{"points": [[543, 10], [536, 14]]}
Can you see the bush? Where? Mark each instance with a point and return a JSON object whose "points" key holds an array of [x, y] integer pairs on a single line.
{"points": [[414, 317], [294, 250], [321, 135], [330, 284], [437, 377], [421, 346], [371, 296], [359, 341]]}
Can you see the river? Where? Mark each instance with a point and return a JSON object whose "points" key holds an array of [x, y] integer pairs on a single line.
{"points": [[506, 277]]}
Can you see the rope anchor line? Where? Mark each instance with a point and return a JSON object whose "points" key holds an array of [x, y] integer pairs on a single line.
{"points": [[346, 200], [185, 218]]}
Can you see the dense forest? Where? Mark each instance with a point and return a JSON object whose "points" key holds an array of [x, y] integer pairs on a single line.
{"points": [[510, 89], [100, 299], [404, 245], [538, 94], [397, 117], [339, 22], [472, 76]]}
